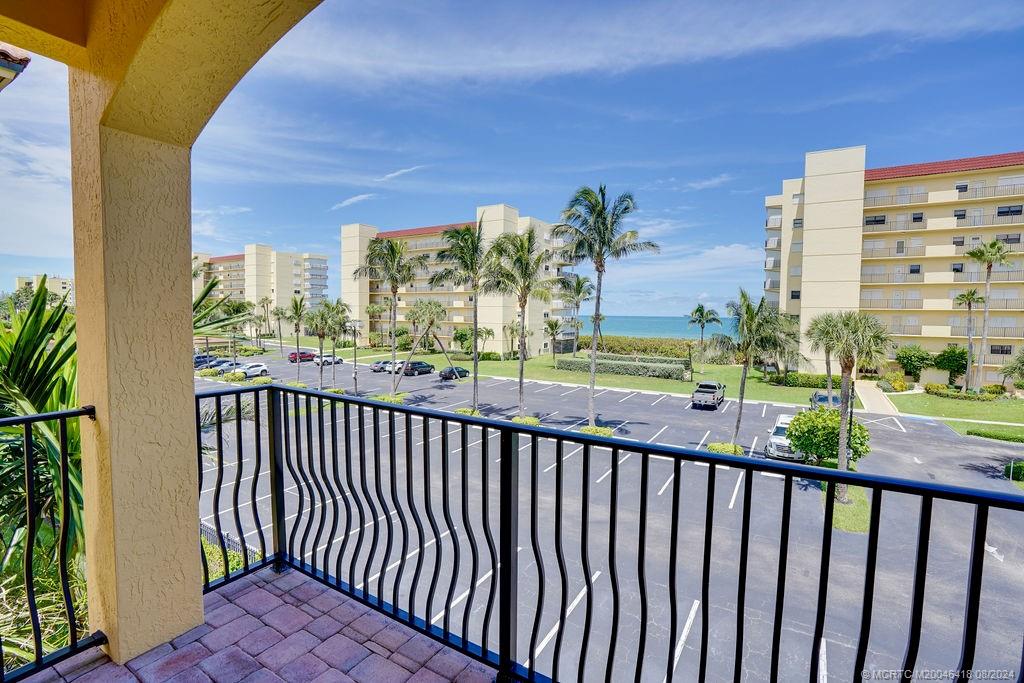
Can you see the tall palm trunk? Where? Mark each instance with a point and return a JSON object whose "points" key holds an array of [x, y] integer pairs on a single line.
{"points": [[476, 353], [575, 331], [828, 376], [970, 349], [522, 355], [444, 351], [844, 407], [394, 339], [321, 344], [984, 326], [280, 338], [739, 410], [591, 415], [701, 349], [298, 358], [334, 361]]}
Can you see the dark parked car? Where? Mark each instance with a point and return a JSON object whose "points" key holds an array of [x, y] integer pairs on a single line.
{"points": [[379, 365], [453, 372], [301, 357], [202, 359], [418, 367], [819, 399]]}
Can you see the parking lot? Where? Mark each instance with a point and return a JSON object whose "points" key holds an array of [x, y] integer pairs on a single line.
{"points": [[919, 449]]}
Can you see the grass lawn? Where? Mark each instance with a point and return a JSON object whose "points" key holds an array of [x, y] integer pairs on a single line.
{"points": [[854, 517], [1002, 430], [541, 367], [1002, 410]]}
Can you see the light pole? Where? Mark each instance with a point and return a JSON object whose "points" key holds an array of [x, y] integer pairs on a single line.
{"points": [[356, 326]]}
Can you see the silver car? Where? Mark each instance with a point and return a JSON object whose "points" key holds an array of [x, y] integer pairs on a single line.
{"points": [[778, 445], [254, 370]]}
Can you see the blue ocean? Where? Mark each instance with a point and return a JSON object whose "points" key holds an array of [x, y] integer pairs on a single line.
{"points": [[655, 326]]}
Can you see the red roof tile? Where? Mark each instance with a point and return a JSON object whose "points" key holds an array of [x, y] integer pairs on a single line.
{"points": [[229, 257], [427, 230], [951, 166]]}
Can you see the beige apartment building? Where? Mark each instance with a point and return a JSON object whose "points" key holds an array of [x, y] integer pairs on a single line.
{"points": [[495, 311], [262, 272], [893, 241], [58, 285]]}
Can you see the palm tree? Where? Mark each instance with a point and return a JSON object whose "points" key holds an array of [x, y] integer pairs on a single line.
{"points": [[265, 302], [822, 334], [339, 325], [517, 266], [426, 316], [593, 231], [552, 326], [994, 253], [389, 261], [969, 300], [464, 260], [485, 334], [576, 290], [296, 316], [279, 313], [760, 331], [702, 316], [319, 322], [861, 338], [511, 332], [375, 311]]}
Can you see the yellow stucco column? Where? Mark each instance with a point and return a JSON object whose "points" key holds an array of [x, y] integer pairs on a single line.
{"points": [[132, 243]]}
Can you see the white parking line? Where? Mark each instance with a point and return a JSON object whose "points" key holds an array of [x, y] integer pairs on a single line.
{"points": [[688, 405], [822, 663], [626, 397], [621, 460], [550, 386], [669, 480], [465, 594], [407, 557], [620, 426], [682, 637], [455, 404], [727, 404], [603, 392], [735, 490], [554, 629], [660, 399], [570, 391], [753, 445], [550, 415], [764, 409], [703, 439], [658, 434]]}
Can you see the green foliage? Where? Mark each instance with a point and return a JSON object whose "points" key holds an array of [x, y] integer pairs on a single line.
{"points": [[297, 385], [397, 399], [468, 411], [1019, 384], [725, 448], [208, 372], [644, 359], [597, 431], [996, 433], [527, 420], [803, 379], [259, 381], [215, 560], [885, 386], [339, 391], [815, 433], [233, 377], [662, 370], [913, 359], [952, 359], [1014, 470], [895, 381], [996, 389], [949, 392], [647, 346]]}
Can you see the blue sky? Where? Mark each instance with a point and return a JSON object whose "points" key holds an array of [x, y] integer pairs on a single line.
{"points": [[379, 113]]}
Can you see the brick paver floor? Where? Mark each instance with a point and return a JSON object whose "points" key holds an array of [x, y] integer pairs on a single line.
{"points": [[283, 627]]}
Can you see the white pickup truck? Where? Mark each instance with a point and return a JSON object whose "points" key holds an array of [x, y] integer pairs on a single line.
{"points": [[708, 395]]}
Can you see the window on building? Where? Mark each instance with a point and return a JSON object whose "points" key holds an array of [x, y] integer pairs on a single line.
{"points": [[961, 187], [1014, 210], [798, 198], [1009, 238], [917, 217], [874, 220], [798, 223], [958, 241], [795, 271], [958, 268], [795, 294], [297, 291], [959, 214], [546, 315], [1001, 349], [915, 268]]}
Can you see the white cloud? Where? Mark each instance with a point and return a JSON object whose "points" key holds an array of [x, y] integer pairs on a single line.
{"points": [[355, 44], [709, 183], [221, 211], [399, 172], [355, 199]]}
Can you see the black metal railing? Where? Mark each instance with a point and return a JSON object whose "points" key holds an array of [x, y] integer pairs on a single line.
{"points": [[996, 304], [997, 276], [43, 614], [884, 252], [989, 219], [554, 555], [895, 199], [891, 277], [891, 303], [993, 191]]}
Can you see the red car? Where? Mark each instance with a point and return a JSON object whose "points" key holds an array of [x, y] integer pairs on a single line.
{"points": [[302, 356]]}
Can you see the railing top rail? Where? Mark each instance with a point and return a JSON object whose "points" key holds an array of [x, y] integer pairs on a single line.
{"points": [[799, 471], [84, 411]]}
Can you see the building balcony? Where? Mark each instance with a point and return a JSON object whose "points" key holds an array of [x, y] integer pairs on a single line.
{"points": [[993, 191], [771, 284], [997, 276], [989, 220], [896, 226], [883, 278], [997, 359], [998, 305], [895, 304], [772, 264], [773, 222], [773, 243], [993, 332], [891, 252], [905, 330], [895, 200]]}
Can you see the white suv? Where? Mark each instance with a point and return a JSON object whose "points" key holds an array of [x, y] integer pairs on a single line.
{"points": [[254, 370], [327, 359], [778, 445]]}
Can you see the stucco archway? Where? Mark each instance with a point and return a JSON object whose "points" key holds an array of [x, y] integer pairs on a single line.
{"points": [[145, 76]]}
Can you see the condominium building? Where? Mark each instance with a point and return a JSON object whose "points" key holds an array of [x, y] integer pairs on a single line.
{"points": [[58, 285], [495, 311], [262, 272], [893, 241]]}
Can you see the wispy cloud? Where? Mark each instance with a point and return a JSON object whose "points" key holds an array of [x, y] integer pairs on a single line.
{"points": [[221, 211], [399, 172], [355, 199], [709, 183]]}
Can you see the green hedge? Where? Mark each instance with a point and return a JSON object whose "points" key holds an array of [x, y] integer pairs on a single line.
{"points": [[896, 380], [804, 379], [208, 372], [1014, 470], [660, 370], [597, 431], [996, 389], [234, 376], [996, 434], [482, 355], [885, 386], [339, 391], [947, 392], [648, 346], [468, 411], [257, 381], [669, 360], [397, 399], [725, 448], [527, 420]]}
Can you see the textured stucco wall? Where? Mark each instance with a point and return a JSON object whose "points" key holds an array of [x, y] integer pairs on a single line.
{"points": [[146, 82]]}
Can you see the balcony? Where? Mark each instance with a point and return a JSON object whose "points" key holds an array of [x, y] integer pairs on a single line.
{"points": [[896, 226], [881, 278], [772, 264], [896, 199], [773, 243], [993, 332], [997, 359], [997, 276], [771, 284], [989, 219], [896, 304], [905, 330], [999, 305], [994, 191], [773, 222], [892, 252]]}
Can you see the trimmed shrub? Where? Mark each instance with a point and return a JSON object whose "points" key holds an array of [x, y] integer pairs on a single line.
{"points": [[233, 377], [527, 420], [397, 399], [468, 411], [885, 386], [258, 381], [996, 434], [948, 392], [804, 379], [815, 433], [648, 346], [997, 389], [339, 391], [913, 359], [1014, 470], [297, 385], [659, 370], [1018, 384], [669, 360], [208, 372], [483, 355], [597, 431], [725, 448]]}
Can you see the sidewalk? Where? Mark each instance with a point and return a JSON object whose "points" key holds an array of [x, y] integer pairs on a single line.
{"points": [[874, 399]]}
